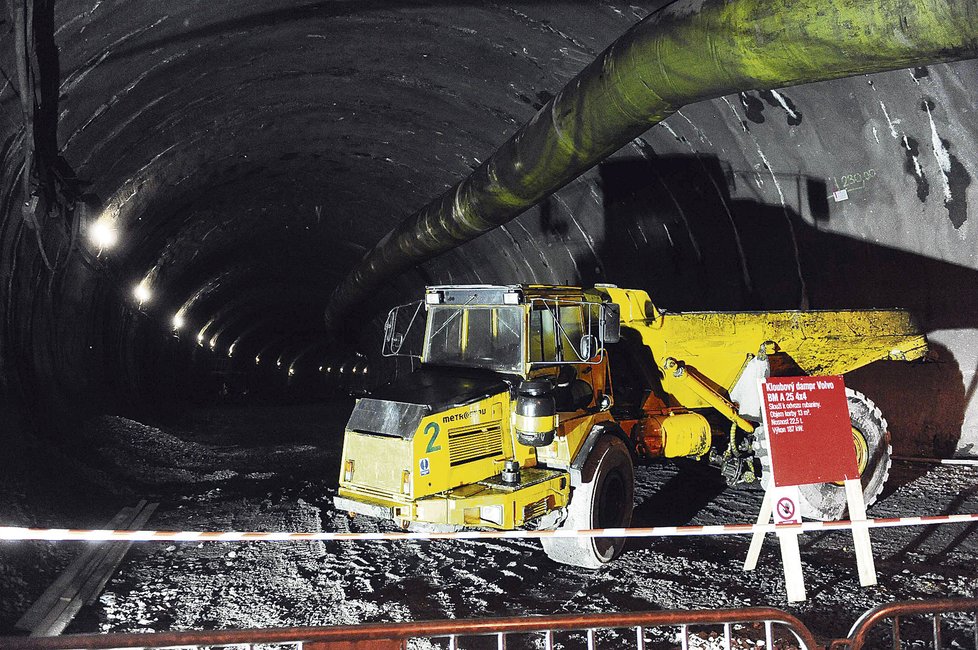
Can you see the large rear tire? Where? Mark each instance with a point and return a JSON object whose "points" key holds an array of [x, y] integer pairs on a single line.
{"points": [[604, 500], [827, 501]]}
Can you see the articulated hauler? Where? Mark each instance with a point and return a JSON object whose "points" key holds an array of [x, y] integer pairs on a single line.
{"points": [[532, 404]]}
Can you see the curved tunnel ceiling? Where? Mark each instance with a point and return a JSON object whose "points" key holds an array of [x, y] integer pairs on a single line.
{"points": [[288, 139], [249, 154]]}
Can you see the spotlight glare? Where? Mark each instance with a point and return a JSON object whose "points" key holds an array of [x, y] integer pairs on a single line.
{"points": [[103, 233], [178, 321], [142, 292]]}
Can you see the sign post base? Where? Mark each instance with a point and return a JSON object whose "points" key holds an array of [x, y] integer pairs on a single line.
{"points": [[757, 539], [860, 533], [794, 579]]}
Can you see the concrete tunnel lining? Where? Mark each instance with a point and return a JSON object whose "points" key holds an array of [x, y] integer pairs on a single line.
{"points": [[249, 149], [250, 154]]}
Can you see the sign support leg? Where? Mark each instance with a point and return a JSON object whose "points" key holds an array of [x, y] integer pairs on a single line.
{"points": [[757, 539], [860, 533], [794, 579]]}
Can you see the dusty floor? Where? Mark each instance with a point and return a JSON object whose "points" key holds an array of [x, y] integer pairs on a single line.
{"points": [[275, 469]]}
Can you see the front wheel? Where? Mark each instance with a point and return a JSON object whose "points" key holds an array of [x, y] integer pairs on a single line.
{"points": [[604, 500], [870, 437]]}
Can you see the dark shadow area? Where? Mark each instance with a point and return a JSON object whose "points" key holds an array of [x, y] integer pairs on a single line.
{"points": [[673, 229], [668, 230], [679, 499], [933, 543]]}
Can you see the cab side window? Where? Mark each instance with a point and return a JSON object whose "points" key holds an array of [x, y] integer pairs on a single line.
{"points": [[572, 329], [542, 339], [555, 332]]}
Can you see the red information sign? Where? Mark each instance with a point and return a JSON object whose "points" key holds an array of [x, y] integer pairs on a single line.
{"points": [[807, 421]]}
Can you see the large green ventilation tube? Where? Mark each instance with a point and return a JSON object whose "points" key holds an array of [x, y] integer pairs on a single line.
{"points": [[688, 51]]}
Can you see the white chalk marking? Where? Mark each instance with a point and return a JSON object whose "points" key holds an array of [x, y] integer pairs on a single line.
{"points": [[916, 163], [892, 123], [784, 104], [941, 154]]}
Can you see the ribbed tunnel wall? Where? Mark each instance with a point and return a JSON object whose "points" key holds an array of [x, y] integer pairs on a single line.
{"points": [[249, 154]]}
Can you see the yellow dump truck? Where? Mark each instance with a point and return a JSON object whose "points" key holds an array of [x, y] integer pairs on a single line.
{"points": [[531, 404]]}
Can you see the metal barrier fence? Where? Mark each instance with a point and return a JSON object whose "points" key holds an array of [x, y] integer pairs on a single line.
{"points": [[859, 635], [752, 627]]}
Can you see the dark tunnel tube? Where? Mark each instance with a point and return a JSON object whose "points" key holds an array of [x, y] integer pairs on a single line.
{"points": [[79, 342], [683, 53]]}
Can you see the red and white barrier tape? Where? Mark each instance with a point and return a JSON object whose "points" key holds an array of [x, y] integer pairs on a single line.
{"points": [[939, 461], [64, 534]]}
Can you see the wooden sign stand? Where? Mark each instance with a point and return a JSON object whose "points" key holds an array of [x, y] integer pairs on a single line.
{"points": [[781, 502], [790, 553]]}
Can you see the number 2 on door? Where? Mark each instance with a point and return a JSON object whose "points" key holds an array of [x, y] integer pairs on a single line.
{"points": [[432, 430]]}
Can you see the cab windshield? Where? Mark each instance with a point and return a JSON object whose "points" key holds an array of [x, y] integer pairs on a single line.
{"points": [[475, 337]]}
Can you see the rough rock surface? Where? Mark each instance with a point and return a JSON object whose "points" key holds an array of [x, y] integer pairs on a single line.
{"points": [[225, 472]]}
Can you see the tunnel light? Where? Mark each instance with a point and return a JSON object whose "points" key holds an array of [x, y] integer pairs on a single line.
{"points": [[231, 350], [364, 371], [200, 338], [320, 368], [213, 342], [278, 363], [178, 322], [103, 233], [257, 359], [354, 371], [329, 369], [291, 370], [341, 370], [142, 292]]}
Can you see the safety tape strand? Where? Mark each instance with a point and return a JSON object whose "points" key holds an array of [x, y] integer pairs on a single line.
{"points": [[13, 533]]}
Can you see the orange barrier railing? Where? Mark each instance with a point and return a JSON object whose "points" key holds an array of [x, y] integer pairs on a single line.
{"points": [[726, 628], [859, 635]]}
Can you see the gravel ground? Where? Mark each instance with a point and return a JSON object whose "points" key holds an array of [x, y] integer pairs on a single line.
{"points": [[275, 469]]}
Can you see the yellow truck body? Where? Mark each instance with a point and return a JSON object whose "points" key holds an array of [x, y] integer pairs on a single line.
{"points": [[464, 443]]}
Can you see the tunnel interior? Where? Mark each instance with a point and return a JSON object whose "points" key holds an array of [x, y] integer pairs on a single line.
{"points": [[192, 181]]}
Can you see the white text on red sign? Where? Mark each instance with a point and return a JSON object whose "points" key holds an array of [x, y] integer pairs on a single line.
{"points": [[787, 404]]}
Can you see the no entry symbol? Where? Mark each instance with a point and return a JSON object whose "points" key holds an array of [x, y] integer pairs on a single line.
{"points": [[786, 509], [786, 500]]}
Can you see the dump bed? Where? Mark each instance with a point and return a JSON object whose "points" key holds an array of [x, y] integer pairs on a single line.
{"points": [[716, 345]]}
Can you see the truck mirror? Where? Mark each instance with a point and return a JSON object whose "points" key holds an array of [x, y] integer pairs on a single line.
{"points": [[396, 341], [401, 337], [589, 346], [610, 322]]}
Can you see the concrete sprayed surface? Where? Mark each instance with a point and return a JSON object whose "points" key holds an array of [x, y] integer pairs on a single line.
{"points": [[272, 469]]}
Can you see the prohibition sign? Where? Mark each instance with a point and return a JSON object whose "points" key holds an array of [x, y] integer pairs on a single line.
{"points": [[786, 508]]}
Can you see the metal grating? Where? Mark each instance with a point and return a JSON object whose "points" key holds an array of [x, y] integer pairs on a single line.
{"points": [[469, 444]]}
